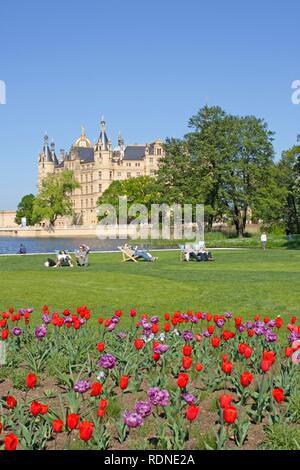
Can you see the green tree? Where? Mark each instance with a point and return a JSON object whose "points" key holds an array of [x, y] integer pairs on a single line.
{"points": [[139, 190], [289, 183], [225, 162], [54, 198], [249, 175], [25, 209]]}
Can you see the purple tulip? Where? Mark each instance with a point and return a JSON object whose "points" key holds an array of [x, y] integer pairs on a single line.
{"points": [[189, 398], [16, 331], [132, 419], [143, 408], [187, 335], [107, 361], [154, 319], [158, 397], [82, 386], [40, 332]]}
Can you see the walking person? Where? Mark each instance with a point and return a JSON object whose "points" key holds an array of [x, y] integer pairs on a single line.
{"points": [[263, 240]]}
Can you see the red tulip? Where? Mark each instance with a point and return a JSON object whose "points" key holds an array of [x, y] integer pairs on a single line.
{"points": [[182, 380], [229, 414], [35, 408], [11, 401], [155, 328], [167, 327], [156, 356], [278, 322], [44, 408], [294, 319], [208, 317], [57, 425], [186, 362], [101, 412], [10, 442], [72, 421], [246, 378], [133, 312], [227, 367], [100, 347], [103, 404], [227, 335], [251, 333], [265, 365], [187, 350], [242, 348], [210, 329], [4, 334], [124, 382], [199, 366], [31, 380], [288, 351], [269, 356], [138, 343], [96, 389], [225, 400], [167, 316], [248, 351], [278, 394], [192, 412], [86, 430], [238, 321], [215, 341]]}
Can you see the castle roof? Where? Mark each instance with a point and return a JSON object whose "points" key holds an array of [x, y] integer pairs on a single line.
{"points": [[134, 152], [86, 154]]}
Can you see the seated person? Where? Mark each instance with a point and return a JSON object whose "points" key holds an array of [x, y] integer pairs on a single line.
{"points": [[142, 253], [204, 255], [63, 259], [22, 250], [188, 253], [82, 255]]}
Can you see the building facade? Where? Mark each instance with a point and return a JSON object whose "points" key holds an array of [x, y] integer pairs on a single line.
{"points": [[7, 219], [96, 166]]}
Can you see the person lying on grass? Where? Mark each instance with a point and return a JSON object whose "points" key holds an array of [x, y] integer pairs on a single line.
{"points": [[63, 259]]}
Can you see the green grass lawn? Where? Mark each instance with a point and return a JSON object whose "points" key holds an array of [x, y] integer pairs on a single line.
{"points": [[244, 282]]}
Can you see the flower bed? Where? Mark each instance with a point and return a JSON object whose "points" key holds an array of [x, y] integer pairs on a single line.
{"points": [[182, 381]]}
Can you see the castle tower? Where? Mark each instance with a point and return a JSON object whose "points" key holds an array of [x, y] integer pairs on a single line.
{"points": [[46, 162]]}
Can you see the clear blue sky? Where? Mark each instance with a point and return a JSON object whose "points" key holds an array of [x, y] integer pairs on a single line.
{"points": [[146, 65]]}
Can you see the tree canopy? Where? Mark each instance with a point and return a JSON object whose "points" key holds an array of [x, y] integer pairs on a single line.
{"points": [[25, 209], [54, 199]]}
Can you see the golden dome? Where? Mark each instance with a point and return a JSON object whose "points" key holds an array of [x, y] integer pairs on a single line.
{"points": [[83, 141]]}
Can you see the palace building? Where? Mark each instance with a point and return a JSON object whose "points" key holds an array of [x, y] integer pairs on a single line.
{"points": [[96, 166]]}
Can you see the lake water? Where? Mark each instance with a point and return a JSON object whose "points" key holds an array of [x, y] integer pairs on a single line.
{"points": [[11, 245]]}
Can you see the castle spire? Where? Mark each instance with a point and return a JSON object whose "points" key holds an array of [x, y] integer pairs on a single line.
{"points": [[103, 139], [46, 149]]}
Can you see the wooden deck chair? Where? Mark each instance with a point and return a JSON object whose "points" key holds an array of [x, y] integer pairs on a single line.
{"points": [[128, 254]]}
